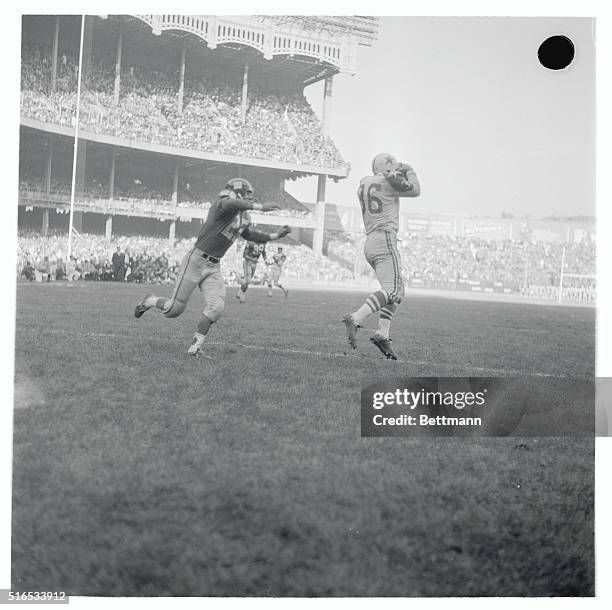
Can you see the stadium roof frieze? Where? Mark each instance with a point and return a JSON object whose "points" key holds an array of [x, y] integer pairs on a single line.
{"points": [[297, 170], [329, 41]]}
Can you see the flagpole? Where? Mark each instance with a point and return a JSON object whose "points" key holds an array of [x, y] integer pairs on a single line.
{"points": [[76, 142]]}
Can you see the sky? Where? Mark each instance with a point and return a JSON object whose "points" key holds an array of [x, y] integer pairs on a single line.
{"points": [[467, 104]]}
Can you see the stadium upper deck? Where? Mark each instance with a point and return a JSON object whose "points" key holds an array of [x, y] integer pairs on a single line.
{"points": [[217, 95], [227, 89]]}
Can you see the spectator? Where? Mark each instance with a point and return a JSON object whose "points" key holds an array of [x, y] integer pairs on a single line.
{"points": [[280, 127], [28, 271], [118, 265]]}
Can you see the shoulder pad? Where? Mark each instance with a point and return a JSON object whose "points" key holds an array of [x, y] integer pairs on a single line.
{"points": [[227, 194]]}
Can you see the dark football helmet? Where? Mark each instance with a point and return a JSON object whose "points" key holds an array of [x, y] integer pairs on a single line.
{"points": [[241, 187]]}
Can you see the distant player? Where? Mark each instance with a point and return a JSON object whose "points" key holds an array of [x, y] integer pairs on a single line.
{"points": [[250, 257], [379, 198], [274, 271], [227, 218]]}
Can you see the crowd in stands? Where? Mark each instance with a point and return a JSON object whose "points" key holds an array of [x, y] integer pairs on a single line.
{"points": [[290, 206], [301, 264], [276, 126], [134, 196], [434, 261], [444, 261], [149, 259]]}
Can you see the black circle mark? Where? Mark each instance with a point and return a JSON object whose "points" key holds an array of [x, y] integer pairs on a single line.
{"points": [[556, 52]]}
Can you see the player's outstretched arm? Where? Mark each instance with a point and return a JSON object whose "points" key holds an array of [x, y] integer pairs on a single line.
{"points": [[240, 205], [405, 181], [261, 237]]}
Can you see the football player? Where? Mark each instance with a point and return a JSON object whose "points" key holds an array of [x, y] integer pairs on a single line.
{"points": [[250, 257], [274, 271], [379, 198], [227, 218]]}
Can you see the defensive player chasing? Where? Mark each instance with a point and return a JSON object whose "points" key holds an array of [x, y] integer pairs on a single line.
{"points": [[227, 218], [379, 198], [250, 257], [274, 271]]}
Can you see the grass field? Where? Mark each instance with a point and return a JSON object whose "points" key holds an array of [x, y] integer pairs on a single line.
{"points": [[140, 471]]}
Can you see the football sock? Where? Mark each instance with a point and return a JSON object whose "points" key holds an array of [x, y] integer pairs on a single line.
{"points": [[203, 326], [384, 324], [384, 320], [374, 302]]}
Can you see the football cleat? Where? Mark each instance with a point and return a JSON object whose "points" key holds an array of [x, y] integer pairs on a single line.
{"points": [[384, 345], [269, 293], [351, 329], [195, 349], [141, 308]]}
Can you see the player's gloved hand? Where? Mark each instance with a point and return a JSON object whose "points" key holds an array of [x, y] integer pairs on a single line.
{"points": [[398, 178], [402, 168], [269, 206], [284, 231]]}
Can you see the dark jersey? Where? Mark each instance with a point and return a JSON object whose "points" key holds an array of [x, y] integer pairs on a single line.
{"points": [[223, 226], [252, 251]]}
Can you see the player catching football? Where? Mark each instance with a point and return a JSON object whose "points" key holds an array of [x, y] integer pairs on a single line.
{"points": [[250, 257], [379, 198], [274, 272], [227, 218]]}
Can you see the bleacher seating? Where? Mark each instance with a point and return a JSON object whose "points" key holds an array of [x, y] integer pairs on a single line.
{"points": [[281, 127]]}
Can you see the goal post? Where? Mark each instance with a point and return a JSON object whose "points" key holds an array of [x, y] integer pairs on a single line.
{"points": [[577, 287]]}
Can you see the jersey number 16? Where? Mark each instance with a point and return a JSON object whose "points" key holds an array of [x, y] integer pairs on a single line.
{"points": [[369, 197]]}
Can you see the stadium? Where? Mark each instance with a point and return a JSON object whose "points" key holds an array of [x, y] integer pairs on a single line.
{"points": [[140, 473]]}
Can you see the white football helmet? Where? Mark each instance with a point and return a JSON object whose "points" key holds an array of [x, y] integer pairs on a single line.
{"points": [[383, 163]]}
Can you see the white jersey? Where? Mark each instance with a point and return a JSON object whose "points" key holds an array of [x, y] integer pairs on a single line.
{"points": [[379, 204]]}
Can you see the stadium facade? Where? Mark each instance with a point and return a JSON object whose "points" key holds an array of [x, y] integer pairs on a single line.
{"points": [[170, 107]]}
